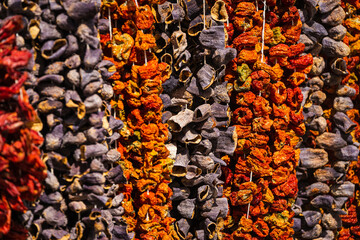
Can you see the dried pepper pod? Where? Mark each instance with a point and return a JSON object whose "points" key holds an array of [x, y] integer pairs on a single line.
{"points": [[22, 170]]}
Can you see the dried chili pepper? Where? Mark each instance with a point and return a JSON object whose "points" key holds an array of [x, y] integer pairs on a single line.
{"points": [[22, 170]]}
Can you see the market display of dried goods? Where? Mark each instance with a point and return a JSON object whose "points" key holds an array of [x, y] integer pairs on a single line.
{"points": [[21, 170], [329, 146], [170, 120]]}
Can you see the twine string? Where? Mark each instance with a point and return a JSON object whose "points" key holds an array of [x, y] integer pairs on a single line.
{"points": [[248, 208], [263, 33], [110, 27], [204, 13]]}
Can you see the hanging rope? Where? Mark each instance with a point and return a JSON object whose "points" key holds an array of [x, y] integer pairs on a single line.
{"points": [[204, 13], [248, 209], [16, 81], [263, 33], [145, 57], [115, 142], [110, 27]]}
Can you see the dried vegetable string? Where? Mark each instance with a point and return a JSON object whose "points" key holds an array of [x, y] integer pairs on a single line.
{"points": [[196, 103], [137, 85], [262, 60], [266, 131], [328, 146], [22, 171], [69, 89], [350, 221]]}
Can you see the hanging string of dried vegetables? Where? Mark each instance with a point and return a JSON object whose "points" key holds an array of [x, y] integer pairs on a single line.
{"points": [[21, 170], [266, 104], [328, 147], [69, 90], [128, 41], [350, 221], [191, 38]]}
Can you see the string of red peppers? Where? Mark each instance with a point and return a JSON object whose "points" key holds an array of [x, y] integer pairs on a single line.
{"points": [[267, 113], [351, 227], [137, 85], [21, 169]]}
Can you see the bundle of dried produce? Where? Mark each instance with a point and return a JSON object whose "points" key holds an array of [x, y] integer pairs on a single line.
{"points": [[328, 147], [260, 179], [350, 221], [22, 171], [68, 87], [191, 38], [128, 41]]}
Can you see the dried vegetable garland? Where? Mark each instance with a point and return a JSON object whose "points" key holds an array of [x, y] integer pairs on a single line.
{"points": [[328, 147], [181, 119], [22, 171], [128, 42], [350, 221], [266, 103], [69, 90], [191, 37]]}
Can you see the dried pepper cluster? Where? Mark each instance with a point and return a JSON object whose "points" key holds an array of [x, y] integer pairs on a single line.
{"points": [[350, 221], [191, 38], [21, 168], [69, 90], [129, 42], [329, 146], [266, 102]]}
